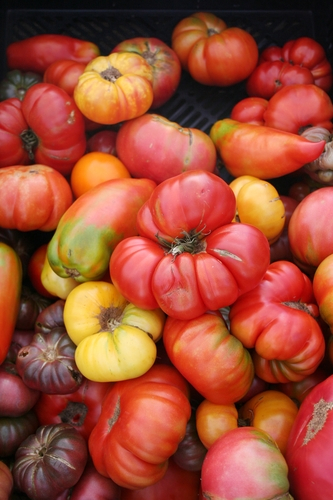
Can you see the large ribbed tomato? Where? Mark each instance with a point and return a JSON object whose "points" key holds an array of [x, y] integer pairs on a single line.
{"points": [[189, 257]]}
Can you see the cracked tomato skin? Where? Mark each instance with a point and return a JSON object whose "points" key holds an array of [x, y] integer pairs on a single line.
{"points": [[309, 447]]}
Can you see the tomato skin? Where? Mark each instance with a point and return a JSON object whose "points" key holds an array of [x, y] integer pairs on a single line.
{"points": [[261, 151], [93, 485], [81, 408], [32, 186], [115, 88], [277, 319], [311, 243], [10, 294], [205, 47], [91, 227], [154, 147], [311, 436], [35, 267], [298, 106], [157, 404], [225, 366], [164, 62], [36, 53], [64, 73], [213, 420]]}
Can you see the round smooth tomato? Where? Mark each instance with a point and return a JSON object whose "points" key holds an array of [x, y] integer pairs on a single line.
{"points": [[64, 73], [251, 451], [323, 289], [213, 420], [258, 203], [6, 480], [212, 52], [93, 169], [250, 110], [35, 267], [103, 141], [271, 411], [154, 147], [310, 229]]}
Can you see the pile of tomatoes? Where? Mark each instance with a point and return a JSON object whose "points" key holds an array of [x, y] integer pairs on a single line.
{"points": [[163, 329]]}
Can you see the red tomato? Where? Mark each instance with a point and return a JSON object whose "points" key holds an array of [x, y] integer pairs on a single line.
{"points": [[250, 110], [157, 404], [254, 453], [323, 289], [35, 267], [189, 257], [46, 127], [103, 141], [304, 52], [10, 293], [212, 52], [298, 106], [16, 397], [277, 320], [310, 438], [261, 151], [152, 146], [6, 480], [37, 52], [269, 77], [225, 366], [24, 189], [174, 481], [164, 62], [297, 391], [64, 73], [81, 408], [310, 229], [92, 485]]}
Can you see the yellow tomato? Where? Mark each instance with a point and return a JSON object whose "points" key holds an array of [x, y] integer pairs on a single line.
{"points": [[273, 412], [115, 339], [115, 88], [258, 203], [213, 420], [54, 284]]}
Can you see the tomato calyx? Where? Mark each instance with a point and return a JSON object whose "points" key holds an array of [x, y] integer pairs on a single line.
{"points": [[111, 74], [30, 142], [110, 318], [191, 242]]}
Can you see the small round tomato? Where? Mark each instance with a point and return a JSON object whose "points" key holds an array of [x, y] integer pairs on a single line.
{"points": [[258, 203], [271, 411], [35, 267], [64, 73], [93, 169], [103, 141], [213, 420], [250, 110]]}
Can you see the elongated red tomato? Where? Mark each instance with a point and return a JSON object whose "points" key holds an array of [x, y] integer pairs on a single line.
{"points": [[10, 293]]}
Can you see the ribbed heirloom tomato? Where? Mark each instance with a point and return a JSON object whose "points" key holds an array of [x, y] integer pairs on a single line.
{"points": [[189, 257]]}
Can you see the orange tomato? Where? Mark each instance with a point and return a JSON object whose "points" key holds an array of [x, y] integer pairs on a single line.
{"points": [[273, 412], [94, 168], [214, 420]]}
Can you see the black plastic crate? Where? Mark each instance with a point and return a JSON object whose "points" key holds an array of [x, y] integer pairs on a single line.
{"points": [[193, 105]]}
